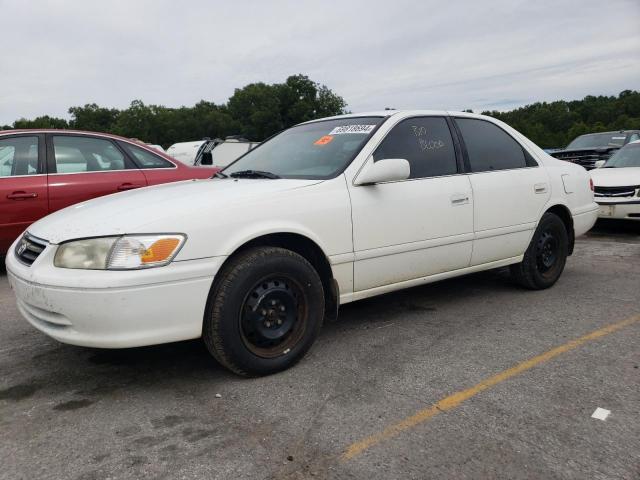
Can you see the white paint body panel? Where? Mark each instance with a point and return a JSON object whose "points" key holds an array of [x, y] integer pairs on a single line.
{"points": [[506, 212], [377, 238], [410, 229]]}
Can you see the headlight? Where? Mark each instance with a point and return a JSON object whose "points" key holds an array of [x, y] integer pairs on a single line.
{"points": [[119, 253]]}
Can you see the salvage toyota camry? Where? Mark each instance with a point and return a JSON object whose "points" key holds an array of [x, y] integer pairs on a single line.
{"points": [[324, 213]]}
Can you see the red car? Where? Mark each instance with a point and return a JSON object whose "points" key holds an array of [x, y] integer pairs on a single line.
{"points": [[42, 171]]}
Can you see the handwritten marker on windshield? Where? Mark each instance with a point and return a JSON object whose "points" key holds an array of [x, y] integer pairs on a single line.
{"points": [[600, 414]]}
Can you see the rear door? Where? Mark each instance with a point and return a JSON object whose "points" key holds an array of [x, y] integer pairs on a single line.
{"points": [[156, 169], [509, 190], [82, 167], [23, 185]]}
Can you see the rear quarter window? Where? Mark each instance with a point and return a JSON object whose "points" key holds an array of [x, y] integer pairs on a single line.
{"points": [[146, 159]]}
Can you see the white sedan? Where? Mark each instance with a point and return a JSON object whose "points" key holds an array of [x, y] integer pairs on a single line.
{"points": [[324, 213], [617, 184]]}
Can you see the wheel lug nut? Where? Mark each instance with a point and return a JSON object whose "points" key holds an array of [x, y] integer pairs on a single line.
{"points": [[282, 308], [273, 302], [267, 324], [263, 311], [279, 322]]}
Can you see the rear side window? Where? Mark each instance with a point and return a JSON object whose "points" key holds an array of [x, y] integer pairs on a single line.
{"points": [[18, 156], [425, 142], [489, 147], [86, 154], [145, 158]]}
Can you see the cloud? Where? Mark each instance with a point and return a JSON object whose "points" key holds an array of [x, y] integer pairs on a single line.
{"points": [[402, 54]]}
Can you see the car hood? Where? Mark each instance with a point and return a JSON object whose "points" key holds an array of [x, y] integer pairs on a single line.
{"points": [[171, 207], [616, 177]]}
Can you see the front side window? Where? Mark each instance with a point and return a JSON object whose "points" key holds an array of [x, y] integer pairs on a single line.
{"points": [[18, 156], [314, 151], [86, 154], [147, 159], [425, 142], [489, 147]]}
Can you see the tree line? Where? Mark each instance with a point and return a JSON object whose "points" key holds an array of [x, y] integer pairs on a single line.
{"points": [[555, 124], [255, 112], [259, 110]]}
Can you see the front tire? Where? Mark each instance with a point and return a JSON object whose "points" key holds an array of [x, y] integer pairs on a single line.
{"points": [[546, 255], [264, 311]]}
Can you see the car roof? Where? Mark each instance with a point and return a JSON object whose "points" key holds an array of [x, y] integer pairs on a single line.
{"points": [[137, 143], [406, 112], [610, 132], [63, 130]]}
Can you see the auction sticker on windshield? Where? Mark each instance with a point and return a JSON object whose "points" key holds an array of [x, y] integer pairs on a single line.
{"points": [[365, 129], [323, 140]]}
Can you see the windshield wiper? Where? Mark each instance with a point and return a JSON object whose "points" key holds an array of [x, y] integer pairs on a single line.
{"points": [[254, 174], [220, 175]]}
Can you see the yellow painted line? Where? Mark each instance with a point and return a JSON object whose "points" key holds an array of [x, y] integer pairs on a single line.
{"points": [[457, 398]]}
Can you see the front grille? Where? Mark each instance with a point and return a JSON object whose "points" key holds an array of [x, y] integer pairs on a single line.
{"points": [[629, 191], [585, 159], [29, 248]]}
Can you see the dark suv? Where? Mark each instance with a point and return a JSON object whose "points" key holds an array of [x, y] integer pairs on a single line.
{"points": [[586, 150]]}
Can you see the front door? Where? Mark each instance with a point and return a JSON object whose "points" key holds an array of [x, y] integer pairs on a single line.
{"points": [[23, 185], [418, 227]]}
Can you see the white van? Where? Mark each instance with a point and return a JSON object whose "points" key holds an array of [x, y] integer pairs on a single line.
{"points": [[185, 152], [216, 152], [221, 153]]}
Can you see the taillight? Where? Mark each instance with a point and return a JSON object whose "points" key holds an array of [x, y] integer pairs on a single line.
{"points": [[591, 184]]}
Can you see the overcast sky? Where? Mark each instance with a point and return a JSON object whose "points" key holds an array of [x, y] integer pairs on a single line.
{"points": [[375, 53]]}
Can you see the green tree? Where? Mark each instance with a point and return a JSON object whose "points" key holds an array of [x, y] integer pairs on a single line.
{"points": [[262, 110], [257, 109], [44, 121], [93, 118], [555, 124]]}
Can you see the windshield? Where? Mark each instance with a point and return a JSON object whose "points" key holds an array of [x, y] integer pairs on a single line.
{"points": [[628, 156], [598, 140], [317, 150]]}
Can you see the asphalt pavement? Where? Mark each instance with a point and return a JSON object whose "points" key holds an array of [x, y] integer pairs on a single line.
{"points": [[449, 380]]}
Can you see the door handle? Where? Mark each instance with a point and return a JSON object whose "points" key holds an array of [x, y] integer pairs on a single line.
{"points": [[461, 199], [22, 195], [540, 188], [128, 186]]}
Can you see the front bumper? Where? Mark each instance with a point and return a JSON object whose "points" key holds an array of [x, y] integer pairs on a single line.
{"points": [[113, 309], [629, 210]]}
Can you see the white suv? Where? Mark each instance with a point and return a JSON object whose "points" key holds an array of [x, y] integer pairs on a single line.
{"points": [[322, 214]]}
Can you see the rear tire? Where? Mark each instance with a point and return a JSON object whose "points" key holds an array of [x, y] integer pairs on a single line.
{"points": [[546, 255], [264, 311]]}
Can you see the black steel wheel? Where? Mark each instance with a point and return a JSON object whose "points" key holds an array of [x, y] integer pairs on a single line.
{"points": [[264, 312], [547, 251], [544, 260], [273, 316]]}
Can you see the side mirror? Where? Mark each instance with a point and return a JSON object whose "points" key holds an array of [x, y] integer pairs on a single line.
{"points": [[387, 170], [207, 158], [599, 163]]}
